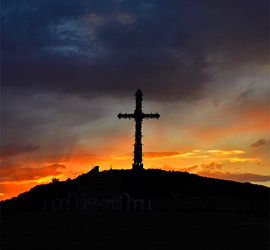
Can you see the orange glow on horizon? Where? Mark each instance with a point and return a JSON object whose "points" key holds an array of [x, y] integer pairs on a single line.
{"points": [[14, 188]]}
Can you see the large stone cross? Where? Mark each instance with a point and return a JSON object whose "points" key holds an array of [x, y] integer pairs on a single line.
{"points": [[138, 116]]}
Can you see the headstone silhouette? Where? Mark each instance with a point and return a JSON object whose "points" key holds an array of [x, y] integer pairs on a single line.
{"points": [[138, 116]]}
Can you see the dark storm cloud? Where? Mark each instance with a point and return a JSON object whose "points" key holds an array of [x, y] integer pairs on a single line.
{"points": [[12, 149], [259, 143], [115, 46], [26, 31]]}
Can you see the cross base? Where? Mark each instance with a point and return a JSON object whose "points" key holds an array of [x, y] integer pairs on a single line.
{"points": [[137, 167]]}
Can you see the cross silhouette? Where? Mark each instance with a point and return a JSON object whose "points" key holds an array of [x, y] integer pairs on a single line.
{"points": [[138, 116]]}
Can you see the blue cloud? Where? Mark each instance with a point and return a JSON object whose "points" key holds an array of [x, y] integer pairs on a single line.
{"points": [[56, 46]]}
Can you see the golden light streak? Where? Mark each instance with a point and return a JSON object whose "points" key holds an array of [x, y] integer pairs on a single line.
{"points": [[238, 159], [224, 152]]}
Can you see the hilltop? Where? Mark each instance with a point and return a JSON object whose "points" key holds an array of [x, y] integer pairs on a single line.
{"points": [[167, 190]]}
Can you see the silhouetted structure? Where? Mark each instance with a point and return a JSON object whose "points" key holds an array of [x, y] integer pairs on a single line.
{"points": [[138, 116], [95, 191]]}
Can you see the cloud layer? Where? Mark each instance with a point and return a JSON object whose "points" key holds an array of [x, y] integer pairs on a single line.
{"points": [[114, 46], [17, 173], [259, 143], [12, 149]]}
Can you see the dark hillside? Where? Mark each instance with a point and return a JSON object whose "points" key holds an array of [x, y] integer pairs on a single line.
{"points": [[159, 183], [167, 190]]}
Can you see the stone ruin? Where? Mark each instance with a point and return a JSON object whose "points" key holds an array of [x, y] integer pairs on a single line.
{"points": [[98, 191], [122, 203]]}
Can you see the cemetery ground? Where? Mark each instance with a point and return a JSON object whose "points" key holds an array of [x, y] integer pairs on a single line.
{"points": [[183, 230]]}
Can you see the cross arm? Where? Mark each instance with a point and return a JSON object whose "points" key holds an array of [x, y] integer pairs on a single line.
{"points": [[125, 116], [151, 115]]}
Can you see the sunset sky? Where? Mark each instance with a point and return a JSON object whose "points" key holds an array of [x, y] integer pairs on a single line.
{"points": [[69, 67]]}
